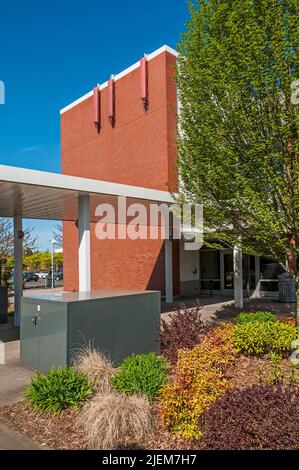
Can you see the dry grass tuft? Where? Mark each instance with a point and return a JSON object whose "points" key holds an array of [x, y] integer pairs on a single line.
{"points": [[96, 367], [109, 420]]}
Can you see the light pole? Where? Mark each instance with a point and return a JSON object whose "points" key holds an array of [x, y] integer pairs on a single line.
{"points": [[53, 242]]}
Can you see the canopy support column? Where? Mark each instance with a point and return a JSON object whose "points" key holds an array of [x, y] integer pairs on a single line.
{"points": [[84, 244], [238, 276], [168, 272], [18, 267]]}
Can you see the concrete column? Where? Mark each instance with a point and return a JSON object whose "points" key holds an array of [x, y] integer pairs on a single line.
{"points": [[238, 276], [84, 244], [18, 267], [168, 272]]}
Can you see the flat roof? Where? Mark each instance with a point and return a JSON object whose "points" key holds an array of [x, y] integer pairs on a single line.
{"points": [[151, 56], [36, 194], [74, 297]]}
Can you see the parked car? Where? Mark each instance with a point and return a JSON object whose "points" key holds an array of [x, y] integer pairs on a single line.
{"points": [[42, 275], [29, 277]]}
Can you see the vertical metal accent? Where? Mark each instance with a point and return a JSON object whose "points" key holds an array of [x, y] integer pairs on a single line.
{"points": [[111, 101], [144, 82], [96, 108]]}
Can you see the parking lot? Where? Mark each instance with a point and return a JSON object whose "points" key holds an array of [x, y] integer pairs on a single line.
{"points": [[41, 283]]}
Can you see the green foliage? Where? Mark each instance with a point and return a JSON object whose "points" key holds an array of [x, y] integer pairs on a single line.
{"points": [[238, 145], [257, 338], [40, 261], [275, 373], [59, 389], [261, 317], [142, 374]]}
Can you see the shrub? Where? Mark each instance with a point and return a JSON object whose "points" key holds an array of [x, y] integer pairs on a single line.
{"points": [[257, 338], [59, 389], [107, 420], [143, 374], [97, 368], [258, 417], [199, 378], [262, 317], [282, 336], [180, 331]]}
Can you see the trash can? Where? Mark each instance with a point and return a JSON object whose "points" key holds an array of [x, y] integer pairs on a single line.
{"points": [[286, 288], [3, 304]]}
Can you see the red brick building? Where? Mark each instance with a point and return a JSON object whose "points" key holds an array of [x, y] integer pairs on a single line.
{"points": [[137, 149]]}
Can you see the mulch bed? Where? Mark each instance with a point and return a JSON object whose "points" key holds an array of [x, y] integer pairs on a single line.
{"points": [[61, 433], [52, 432], [250, 371]]}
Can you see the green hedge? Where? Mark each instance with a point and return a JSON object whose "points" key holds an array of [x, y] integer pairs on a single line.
{"points": [[257, 338], [261, 317]]}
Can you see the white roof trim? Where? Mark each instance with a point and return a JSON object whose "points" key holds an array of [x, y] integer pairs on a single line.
{"points": [[81, 185], [120, 75]]}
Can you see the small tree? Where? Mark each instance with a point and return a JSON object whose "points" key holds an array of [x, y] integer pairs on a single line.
{"points": [[58, 234], [238, 144]]}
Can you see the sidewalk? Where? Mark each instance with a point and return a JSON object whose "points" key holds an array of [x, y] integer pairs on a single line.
{"points": [[13, 378], [12, 440]]}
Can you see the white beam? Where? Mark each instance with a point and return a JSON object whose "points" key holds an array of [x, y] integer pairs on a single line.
{"points": [[238, 276], [168, 272], [44, 179], [84, 244], [18, 267]]}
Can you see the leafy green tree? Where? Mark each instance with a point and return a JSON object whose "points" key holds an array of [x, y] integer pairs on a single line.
{"points": [[39, 261], [238, 139]]}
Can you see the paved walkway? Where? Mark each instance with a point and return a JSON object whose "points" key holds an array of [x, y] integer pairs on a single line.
{"points": [[219, 308], [12, 440], [13, 378]]}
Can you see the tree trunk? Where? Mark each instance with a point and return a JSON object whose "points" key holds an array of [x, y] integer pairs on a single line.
{"points": [[297, 306]]}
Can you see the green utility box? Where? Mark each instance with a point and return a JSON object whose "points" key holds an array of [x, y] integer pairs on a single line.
{"points": [[55, 327]]}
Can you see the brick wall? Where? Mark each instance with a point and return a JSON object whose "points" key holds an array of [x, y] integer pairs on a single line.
{"points": [[139, 150]]}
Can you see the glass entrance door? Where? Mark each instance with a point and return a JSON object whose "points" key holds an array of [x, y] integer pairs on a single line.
{"points": [[248, 271]]}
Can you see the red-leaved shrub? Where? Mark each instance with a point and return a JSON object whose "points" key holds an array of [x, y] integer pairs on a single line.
{"points": [[180, 331], [258, 417]]}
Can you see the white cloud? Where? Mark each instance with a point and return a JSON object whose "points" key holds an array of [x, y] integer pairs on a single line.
{"points": [[30, 149]]}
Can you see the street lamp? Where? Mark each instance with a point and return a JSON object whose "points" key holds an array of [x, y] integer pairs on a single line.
{"points": [[53, 242]]}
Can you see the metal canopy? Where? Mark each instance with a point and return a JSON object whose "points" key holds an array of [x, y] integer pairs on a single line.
{"points": [[42, 195]]}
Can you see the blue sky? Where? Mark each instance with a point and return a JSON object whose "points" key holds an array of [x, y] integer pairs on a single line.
{"points": [[52, 52]]}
